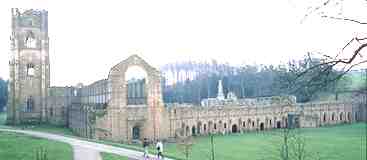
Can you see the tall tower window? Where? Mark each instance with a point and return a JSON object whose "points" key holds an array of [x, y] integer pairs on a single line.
{"points": [[30, 104], [30, 40], [30, 69]]}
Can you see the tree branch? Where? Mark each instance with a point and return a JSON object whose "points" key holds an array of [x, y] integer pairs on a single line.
{"points": [[344, 19]]}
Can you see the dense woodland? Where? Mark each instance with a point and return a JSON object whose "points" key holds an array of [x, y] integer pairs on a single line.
{"points": [[190, 82]]}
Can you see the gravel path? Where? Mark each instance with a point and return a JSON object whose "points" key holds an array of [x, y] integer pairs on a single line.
{"points": [[81, 153], [84, 150]]}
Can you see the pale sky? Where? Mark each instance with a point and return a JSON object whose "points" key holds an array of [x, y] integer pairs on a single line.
{"points": [[89, 37]]}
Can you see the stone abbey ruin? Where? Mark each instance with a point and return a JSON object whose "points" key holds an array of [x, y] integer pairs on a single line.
{"points": [[120, 110]]}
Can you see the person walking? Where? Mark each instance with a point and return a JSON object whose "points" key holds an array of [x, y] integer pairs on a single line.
{"points": [[159, 147], [145, 146]]}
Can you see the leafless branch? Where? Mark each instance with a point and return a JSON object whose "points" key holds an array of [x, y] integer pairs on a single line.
{"points": [[315, 9], [329, 3], [344, 19]]}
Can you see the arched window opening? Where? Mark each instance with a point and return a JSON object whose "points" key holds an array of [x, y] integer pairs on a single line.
{"points": [[279, 124], [261, 126], [270, 123], [193, 131], [30, 40], [136, 79], [187, 131], [341, 116], [199, 128], [30, 69], [136, 132], [30, 104], [234, 128]]}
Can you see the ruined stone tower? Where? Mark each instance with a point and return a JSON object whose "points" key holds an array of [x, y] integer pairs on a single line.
{"points": [[29, 66]]}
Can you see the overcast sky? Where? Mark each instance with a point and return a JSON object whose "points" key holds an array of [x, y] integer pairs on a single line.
{"points": [[88, 37]]}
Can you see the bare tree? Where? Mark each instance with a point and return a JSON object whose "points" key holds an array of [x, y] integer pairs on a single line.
{"points": [[350, 55], [185, 145]]}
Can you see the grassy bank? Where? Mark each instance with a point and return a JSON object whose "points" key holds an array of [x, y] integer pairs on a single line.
{"points": [[14, 146]]}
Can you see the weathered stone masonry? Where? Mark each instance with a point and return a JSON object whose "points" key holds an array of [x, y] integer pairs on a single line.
{"points": [[118, 110], [156, 120]]}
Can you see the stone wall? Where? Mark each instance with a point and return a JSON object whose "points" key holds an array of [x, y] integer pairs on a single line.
{"points": [[151, 119], [59, 102], [28, 66], [196, 120], [114, 119]]}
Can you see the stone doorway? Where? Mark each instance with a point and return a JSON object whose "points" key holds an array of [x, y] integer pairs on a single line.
{"points": [[261, 126], [193, 131], [234, 129], [136, 133], [278, 124]]}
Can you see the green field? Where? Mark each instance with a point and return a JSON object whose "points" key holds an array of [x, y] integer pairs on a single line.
{"points": [[337, 142], [344, 142], [14, 146], [110, 156]]}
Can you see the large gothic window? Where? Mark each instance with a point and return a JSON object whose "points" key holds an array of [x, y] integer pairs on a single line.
{"points": [[30, 69], [136, 85], [30, 104], [30, 40]]}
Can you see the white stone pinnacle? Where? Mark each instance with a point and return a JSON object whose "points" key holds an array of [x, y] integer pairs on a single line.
{"points": [[220, 94]]}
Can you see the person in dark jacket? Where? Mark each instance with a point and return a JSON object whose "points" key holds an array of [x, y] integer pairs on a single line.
{"points": [[145, 146]]}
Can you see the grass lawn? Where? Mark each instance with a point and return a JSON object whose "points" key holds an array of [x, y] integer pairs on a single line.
{"points": [[110, 156], [14, 146], [338, 143]]}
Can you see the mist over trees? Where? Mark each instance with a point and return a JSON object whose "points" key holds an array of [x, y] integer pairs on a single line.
{"points": [[192, 81]]}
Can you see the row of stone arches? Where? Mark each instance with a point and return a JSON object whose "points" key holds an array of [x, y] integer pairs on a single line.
{"points": [[200, 128], [194, 131], [257, 124], [338, 117]]}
